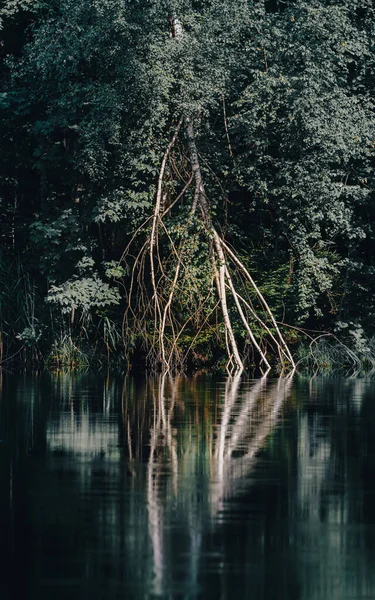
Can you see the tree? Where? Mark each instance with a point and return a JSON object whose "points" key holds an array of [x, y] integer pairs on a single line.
{"points": [[164, 136]]}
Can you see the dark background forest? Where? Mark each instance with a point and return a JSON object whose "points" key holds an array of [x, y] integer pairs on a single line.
{"points": [[152, 148]]}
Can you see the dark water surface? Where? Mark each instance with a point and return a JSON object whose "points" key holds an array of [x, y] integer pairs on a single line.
{"points": [[186, 488]]}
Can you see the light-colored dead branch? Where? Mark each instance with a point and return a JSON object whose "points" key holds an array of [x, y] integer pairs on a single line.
{"points": [[168, 291]]}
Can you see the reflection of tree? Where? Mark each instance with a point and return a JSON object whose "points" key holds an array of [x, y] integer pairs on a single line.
{"points": [[83, 423], [326, 518], [157, 484], [254, 419], [161, 436], [232, 438], [325, 435]]}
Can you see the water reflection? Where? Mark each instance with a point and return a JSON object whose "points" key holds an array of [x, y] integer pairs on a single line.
{"points": [[246, 423], [191, 488], [242, 425]]}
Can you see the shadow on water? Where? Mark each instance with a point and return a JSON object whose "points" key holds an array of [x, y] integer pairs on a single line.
{"points": [[187, 488]]}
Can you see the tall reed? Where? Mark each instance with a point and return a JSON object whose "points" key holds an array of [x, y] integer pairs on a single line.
{"points": [[20, 328]]}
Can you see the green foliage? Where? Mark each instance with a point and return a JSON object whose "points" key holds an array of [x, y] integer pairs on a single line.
{"points": [[83, 294], [65, 354], [328, 355], [10, 9], [282, 100], [307, 138]]}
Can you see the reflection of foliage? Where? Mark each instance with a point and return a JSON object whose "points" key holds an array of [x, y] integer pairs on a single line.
{"points": [[309, 484]]}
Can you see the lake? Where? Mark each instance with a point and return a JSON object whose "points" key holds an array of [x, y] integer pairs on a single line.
{"points": [[200, 487]]}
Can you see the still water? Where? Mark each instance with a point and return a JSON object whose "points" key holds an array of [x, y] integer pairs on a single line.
{"points": [[187, 488]]}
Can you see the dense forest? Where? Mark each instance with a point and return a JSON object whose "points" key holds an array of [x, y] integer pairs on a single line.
{"points": [[187, 183]]}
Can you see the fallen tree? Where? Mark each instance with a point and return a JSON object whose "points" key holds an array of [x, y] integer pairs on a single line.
{"points": [[156, 303]]}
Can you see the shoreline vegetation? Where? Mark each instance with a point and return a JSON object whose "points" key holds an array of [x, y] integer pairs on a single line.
{"points": [[188, 185]]}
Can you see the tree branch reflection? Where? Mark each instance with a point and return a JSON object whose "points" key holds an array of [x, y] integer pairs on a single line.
{"points": [[214, 455], [253, 418], [168, 484]]}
